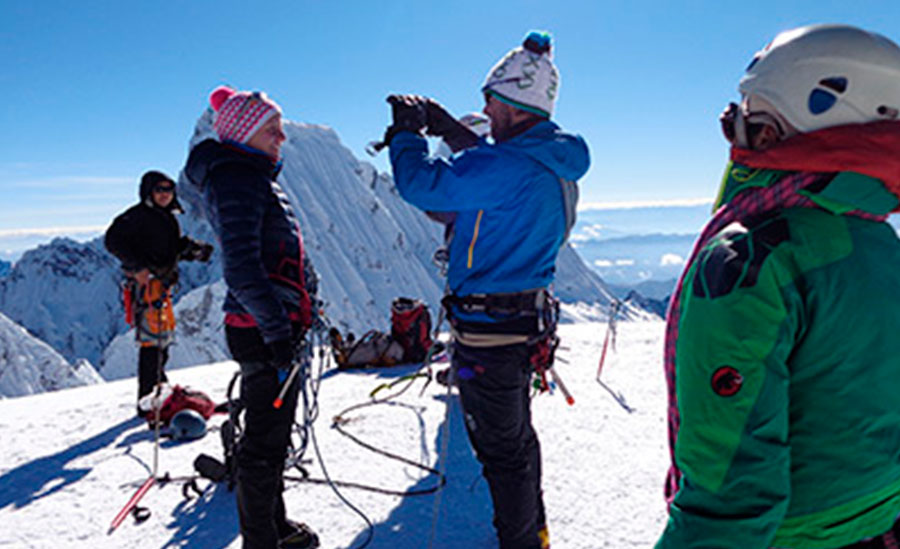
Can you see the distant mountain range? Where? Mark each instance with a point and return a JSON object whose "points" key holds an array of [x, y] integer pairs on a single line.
{"points": [[642, 248], [639, 246]]}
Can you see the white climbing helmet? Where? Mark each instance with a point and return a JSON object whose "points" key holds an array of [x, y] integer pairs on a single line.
{"points": [[827, 75], [478, 122]]}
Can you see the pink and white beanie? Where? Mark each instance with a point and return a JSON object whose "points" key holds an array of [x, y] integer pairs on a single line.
{"points": [[240, 114], [526, 77]]}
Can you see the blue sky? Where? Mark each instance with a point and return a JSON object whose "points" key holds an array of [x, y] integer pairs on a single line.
{"points": [[95, 93]]}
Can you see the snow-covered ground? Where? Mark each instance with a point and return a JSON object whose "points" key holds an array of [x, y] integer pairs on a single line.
{"points": [[70, 459]]}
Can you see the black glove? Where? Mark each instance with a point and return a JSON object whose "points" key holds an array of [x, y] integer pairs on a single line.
{"points": [[282, 351], [441, 124], [204, 251], [196, 251], [408, 112]]}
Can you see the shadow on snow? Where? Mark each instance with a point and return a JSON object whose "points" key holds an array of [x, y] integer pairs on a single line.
{"points": [[464, 515], [47, 475], [210, 521]]}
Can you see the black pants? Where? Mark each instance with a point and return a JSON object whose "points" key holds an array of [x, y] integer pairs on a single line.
{"points": [[494, 389], [151, 363], [262, 448]]}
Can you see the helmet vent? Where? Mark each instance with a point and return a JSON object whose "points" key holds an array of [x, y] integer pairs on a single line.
{"points": [[820, 101], [836, 83]]}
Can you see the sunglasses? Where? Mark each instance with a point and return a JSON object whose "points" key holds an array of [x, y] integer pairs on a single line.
{"points": [[742, 128], [164, 189]]}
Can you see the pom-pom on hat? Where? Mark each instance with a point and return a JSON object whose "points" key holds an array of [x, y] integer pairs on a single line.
{"points": [[240, 114], [526, 77]]}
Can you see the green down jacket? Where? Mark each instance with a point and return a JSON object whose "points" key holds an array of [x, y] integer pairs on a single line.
{"points": [[788, 379]]}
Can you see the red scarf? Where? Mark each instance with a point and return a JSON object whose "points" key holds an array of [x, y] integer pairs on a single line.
{"points": [[871, 149]]}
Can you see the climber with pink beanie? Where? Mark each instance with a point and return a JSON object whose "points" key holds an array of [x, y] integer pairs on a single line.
{"points": [[267, 308]]}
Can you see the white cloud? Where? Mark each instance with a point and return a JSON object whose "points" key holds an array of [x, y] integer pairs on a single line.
{"points": [[614, 262], [590, 232], [51, 231], [67, 181], [668, 260], [634, 204]]}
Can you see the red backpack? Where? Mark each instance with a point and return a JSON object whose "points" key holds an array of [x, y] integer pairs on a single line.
{"points": [[183, 398], [411, 328]]}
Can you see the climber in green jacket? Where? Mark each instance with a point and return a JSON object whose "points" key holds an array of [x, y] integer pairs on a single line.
{"points": [[782, 352]]}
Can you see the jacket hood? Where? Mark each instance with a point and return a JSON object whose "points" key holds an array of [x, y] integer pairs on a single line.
{"points": [[209, 154], [564, 154], [145, 193]]}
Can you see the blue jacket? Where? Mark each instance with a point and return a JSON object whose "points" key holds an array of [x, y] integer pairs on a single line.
{"points": [[511, 210], [260, 237]]}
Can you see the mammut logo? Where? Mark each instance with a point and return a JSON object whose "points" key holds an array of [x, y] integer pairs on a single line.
{"points": [[726, 381]]}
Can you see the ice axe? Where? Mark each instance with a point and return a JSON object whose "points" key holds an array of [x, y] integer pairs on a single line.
{"points": [[279, 400]]}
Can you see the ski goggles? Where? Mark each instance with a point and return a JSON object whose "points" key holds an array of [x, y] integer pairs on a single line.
{"points": [[164, 188]]}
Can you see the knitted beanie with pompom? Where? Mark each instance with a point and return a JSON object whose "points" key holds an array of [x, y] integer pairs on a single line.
{"points": [[526, 77], [240, 114]]}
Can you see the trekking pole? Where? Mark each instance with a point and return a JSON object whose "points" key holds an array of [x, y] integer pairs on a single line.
{"points": [[610, 334], [132, 504], [159, 366], [131, 507], [610, 342]]}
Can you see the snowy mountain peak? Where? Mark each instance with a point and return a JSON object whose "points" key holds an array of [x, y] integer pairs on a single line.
{"points": [[67, 294], [29, 366]]}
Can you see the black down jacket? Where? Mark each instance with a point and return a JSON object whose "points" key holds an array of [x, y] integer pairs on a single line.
{"points": [[146, 236], [262, 248]]}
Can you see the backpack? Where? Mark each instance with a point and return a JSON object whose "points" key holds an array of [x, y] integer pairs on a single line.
{"points": [[411, 328], [373, 349], [180, 398]]}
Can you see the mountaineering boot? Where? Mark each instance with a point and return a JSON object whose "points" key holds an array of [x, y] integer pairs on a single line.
{"points": [[297, 535]]}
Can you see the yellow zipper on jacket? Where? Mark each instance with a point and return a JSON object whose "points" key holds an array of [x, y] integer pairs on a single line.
{"points": [[474, 238]]}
